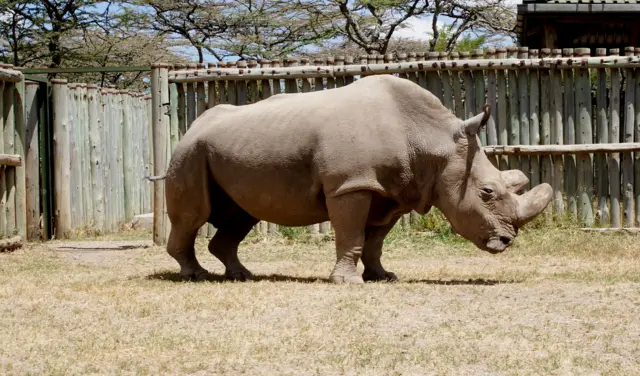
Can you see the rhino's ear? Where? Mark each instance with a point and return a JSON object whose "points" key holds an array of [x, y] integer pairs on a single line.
{"points": [[514, 180], [472, 126]]}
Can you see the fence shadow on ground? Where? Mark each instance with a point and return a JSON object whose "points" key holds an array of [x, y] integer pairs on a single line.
{"points": [[175, 277]]}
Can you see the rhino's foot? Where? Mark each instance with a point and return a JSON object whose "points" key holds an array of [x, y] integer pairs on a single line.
{"points": [[350, 278], [377, 276], [239, 274], [197, 275]]}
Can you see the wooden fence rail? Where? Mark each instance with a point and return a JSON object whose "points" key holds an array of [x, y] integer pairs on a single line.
{"points": [[101, 153], [12, 171], [562, 116]]}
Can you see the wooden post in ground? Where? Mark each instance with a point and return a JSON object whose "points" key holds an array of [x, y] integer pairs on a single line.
{"points": [[448, 98], [584, 162], [20, 148], [160, 118], [95, 142], [492, 131], [534, 119], [523, 104], [627, 157], [614, 136], [32, 160], [503, 106], [570, 168], [557, 136], [546, 164], [9, 173], [514, 108], [637, 139], [602, 136], [61, 169]]}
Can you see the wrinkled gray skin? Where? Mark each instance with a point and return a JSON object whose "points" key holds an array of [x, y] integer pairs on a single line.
{"points": [[359, 156]]}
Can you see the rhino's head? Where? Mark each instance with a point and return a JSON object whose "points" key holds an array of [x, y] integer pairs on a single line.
{"points": [[482, 203]]}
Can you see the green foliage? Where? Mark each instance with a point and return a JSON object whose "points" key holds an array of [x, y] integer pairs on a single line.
{"points": [[464, 43]]}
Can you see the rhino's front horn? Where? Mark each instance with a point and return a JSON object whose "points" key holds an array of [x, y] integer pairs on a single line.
{"points": [[533, 203]]}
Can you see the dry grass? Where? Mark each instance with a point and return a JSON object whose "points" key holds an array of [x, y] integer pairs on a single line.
{"points": [[559, 302]]}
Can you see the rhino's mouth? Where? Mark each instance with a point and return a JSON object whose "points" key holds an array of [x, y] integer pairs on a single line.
{"points": [[497, 244]]}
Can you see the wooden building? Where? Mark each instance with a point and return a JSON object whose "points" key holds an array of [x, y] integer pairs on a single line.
{"points": [[578, 23]]}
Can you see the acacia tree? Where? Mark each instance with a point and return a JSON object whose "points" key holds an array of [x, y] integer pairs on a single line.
{"points": [[35, 24], [371, 24], [244, 28], [199, 22]]}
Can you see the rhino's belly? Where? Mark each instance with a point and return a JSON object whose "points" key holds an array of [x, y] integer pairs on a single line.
{"points": [[276, 194]]}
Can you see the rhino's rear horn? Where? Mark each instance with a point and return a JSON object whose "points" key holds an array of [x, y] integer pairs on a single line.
{"points": [[473, 125]]}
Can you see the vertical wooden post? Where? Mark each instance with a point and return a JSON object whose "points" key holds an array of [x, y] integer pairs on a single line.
{"points": [[9, 173], [212, 97], [6, 111], [534, 119], [503, 106], [585, 167], [627, 157], [479, 92], [105, 151], [95, 141], [434, 83], [514, 108], [492, 131], [241, 86], [291, 85], [88, 188], [402, 58], [331, 82], [557, 136], [545, 123], [159, 100], [127, 157], [32, 161], [174, 117], [122, 97], [348, 61], [448, 98], [150, 154], [637, 139], [523, 103], [62, 167], [20, 148], [277, 88], [602, 123], [614, 136], [570, 162], [339, 63]]}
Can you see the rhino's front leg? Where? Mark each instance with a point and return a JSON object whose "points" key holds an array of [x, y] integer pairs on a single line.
{"points": [[374, 238], [348, 214]]}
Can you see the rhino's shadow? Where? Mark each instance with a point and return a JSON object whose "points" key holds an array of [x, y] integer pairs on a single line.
{"points": [[175, 277]]}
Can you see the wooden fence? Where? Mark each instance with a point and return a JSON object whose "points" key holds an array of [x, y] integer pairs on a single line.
{"points": [[549, 108], [102, 152], [12, 171]]}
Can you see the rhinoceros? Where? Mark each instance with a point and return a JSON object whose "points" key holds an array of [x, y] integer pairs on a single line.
{"points": [[359, 156]]}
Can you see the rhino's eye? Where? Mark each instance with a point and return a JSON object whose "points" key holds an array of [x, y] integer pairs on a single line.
{"points": [[487, 190]]}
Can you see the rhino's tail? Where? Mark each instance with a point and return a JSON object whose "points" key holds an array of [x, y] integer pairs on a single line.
{"points": [[155, 178]]}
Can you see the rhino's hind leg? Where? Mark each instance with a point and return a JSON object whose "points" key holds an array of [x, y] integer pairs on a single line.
{"points": [[348, 214], [181, 246], [374, 238], [224, 244]]}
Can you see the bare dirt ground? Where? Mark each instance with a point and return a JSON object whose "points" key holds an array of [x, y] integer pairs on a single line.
{"points": [[556, 303]]}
